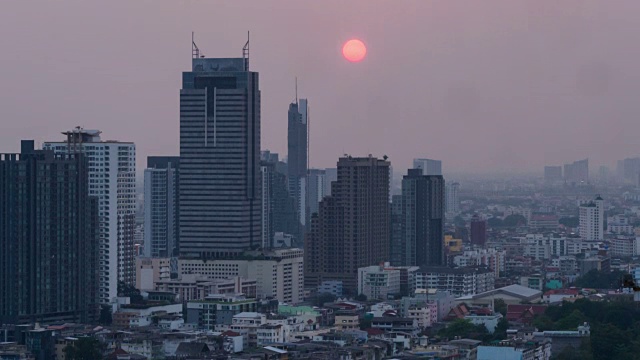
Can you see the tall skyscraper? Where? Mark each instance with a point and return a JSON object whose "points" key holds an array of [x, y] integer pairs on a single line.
{"points": [[48, 238], [422, 218], [316, 181], [478, 231], [112, 178], [592, 219], [161, 206], [351, 228], [297, 154], [280, 207], [452, 195], [428, 166], [220, 178], [577, 172]]}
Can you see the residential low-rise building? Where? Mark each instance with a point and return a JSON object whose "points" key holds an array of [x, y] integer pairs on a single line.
{"points": [[396, 324], [458, 282], [491, 258], [216, 310], [197, 287], [625, 246], [379, 282], [278, 273]]}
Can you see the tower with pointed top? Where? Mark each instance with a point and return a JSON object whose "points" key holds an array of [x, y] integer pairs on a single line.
{"points": [[297, 155]]}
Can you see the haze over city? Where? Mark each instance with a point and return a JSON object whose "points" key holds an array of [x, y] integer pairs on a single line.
{"points": [[484, 86]]}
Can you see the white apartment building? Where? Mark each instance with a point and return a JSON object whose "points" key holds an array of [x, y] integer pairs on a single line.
{"points": [[378, 282], [543, 247], [149, 271], [198, 287], [112, 178], [592, 219], [625, 246], [458, 282], [492, 258], [278, 273]]}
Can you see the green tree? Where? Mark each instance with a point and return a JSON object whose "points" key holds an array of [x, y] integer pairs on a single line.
{"points": [[361, 297], [323, 298], [572, 321], [465, 329], [105, 315], [500, 332], [494, 222], [458, 221], [600, 279], [131, 292], [500, 306], [85, 348], [571, 222], [514, 220]]}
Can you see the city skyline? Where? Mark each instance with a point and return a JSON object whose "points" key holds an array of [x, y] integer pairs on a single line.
{"points": [[510, 98]]}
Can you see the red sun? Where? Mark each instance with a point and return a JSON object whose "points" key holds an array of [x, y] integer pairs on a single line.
{"points": [[354, 50]]}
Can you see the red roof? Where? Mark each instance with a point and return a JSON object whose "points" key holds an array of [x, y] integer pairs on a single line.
{"points": [[374, 331], [520, 312], [230, 333]]}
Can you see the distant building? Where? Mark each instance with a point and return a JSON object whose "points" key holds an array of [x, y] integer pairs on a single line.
{"points": [[351, 229], [511, 295], [631, 170], [478, 230], [452, 196], [552, 173], [458, 282], [421, 216], [197, 287], [48, 238], [378, 282], [149, 271], [280, 213], [592, 219], [297, 155], [491, 258], [316, 191], [161, 206], [331, 287], [577, 172], [545, 221], [625, 246], [428, 166], [278, 273], [112, 178]]}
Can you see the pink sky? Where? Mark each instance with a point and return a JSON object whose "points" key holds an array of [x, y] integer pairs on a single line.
{"points": [[483, 85]]}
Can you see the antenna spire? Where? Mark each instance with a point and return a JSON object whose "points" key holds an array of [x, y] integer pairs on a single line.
{"points": [[195, 52], [245, 54], [296, 90]]}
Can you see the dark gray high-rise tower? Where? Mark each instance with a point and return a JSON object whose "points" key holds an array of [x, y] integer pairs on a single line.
{"points": [[220, 178], [48, 238], [419, 219], [351, 228], [297, 146]]}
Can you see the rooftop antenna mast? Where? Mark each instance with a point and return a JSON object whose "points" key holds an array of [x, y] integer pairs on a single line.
{"points": [[195, 51], [245, 54], [296, 90]]}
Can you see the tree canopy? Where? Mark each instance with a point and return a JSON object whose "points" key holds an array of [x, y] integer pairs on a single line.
{"points": [[614, 333], [85, 348], [600, 279]]}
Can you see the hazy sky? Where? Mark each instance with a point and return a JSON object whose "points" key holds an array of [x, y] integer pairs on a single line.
{"points": [[482, 85]]}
